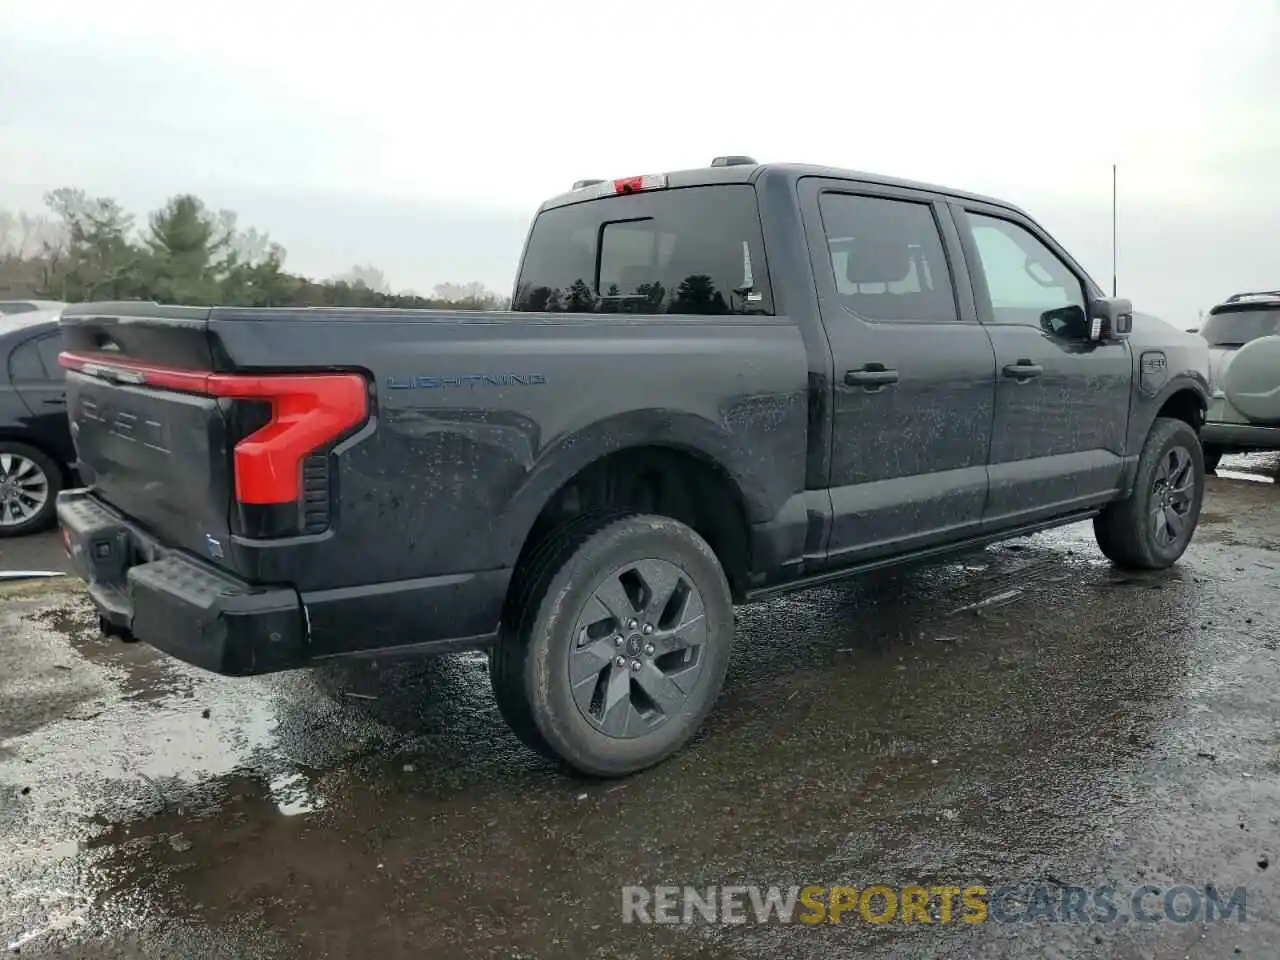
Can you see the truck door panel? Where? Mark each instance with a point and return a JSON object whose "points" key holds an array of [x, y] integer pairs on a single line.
{"points": [[914, 377], [1062, 400]]}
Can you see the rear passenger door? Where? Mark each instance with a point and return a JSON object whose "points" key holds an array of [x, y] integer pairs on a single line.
{"points": [[914, 378], [39, 381], [1062, 400]]}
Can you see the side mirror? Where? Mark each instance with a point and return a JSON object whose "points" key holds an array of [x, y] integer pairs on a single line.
{"points": [[1110, 318], [1066, 323]]}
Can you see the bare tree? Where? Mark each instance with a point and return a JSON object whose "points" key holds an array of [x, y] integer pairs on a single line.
{"points": [[27, 237], [473, 292], [365, 275]]}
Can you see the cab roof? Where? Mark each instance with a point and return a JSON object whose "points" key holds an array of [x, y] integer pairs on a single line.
{"points": [[750, 172]]}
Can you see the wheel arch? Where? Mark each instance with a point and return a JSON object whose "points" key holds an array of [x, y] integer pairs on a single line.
{"points": [[676, 464]]}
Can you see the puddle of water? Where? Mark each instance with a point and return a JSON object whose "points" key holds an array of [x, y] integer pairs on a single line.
{"points": [[1244, 475], [293, 795]]}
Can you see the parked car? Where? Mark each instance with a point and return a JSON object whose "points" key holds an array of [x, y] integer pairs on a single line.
{"points": [[36, 451], [716, 385], [1243, 334], [29, 306]]}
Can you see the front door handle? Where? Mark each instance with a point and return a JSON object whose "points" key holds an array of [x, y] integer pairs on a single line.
{"points": [[1023, 370], [873, 376]]}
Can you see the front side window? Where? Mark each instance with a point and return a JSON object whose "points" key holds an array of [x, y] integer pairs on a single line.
{"points": [[1027, 282], [887, 258], [695, 250]]}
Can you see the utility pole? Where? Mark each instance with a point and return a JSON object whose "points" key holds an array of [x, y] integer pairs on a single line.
{"points": [[1113, 230]]}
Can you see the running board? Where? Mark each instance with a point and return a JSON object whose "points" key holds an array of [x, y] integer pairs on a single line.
{"points": [[902, 559]]}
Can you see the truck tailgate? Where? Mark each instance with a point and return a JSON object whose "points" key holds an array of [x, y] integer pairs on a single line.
{"points": [[160, 456]]}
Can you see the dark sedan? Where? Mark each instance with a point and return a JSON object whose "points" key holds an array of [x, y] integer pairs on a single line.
{"points": [[36, 452]]}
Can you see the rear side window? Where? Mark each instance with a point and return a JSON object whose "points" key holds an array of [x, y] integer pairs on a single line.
{"points": [[887, 258], [25, 365], [692, 251], [49, 348]]}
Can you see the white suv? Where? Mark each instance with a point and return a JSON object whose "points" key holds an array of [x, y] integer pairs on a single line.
{"points": [[1243, 334]]}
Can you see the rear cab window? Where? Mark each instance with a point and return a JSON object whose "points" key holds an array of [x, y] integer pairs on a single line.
{"points": [[694, 250]]}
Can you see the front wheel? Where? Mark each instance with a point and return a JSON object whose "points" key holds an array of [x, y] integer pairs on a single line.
{"points": [[617, 644], [1151, 528]]}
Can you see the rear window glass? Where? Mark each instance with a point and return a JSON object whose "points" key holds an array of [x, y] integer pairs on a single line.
{"points": [[49, 348], [1234, 326], [25, 365], [694, 251]]}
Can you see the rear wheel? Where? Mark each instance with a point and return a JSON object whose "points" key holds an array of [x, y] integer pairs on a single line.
{"points": [[29, 485], [617, 644], [1152, 527]]}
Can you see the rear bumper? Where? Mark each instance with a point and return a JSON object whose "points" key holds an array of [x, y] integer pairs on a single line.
{"points": [[196, 612], [179, 605]]}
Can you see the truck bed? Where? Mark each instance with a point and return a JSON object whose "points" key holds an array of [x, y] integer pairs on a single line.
{"points": [[473, 421]]}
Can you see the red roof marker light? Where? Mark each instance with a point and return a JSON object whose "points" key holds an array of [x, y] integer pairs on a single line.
{"points": [[649, 181]]}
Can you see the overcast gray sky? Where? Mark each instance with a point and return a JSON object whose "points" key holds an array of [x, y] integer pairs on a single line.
{"points": [[420, 139]]}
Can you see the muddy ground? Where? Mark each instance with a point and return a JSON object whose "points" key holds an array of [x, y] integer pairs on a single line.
{"points": [[1023, 715]]}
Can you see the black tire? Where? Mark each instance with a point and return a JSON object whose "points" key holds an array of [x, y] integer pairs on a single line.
{"points": [[43, 516], [544, 638], [1126, 530], [1212, 454]]}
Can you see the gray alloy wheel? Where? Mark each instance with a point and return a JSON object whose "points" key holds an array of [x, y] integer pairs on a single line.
{"points": [[29, 484], [638, 648], [615, 642], [1150, 529], [1172, 492]]}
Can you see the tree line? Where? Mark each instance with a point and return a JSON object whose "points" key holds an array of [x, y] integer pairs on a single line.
{"points": [[90, 248]]}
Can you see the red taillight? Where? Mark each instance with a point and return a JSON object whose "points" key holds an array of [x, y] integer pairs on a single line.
{"points": [[307, 411]]}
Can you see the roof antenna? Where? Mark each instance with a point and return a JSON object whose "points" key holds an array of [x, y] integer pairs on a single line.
{"points": [[1113, 230]]}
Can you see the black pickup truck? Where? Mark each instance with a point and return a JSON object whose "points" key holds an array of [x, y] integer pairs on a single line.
{"points": [[714, 385]]}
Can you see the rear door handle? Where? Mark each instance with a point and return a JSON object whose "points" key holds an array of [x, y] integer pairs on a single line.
{"points": [[873, 376], [1023, 370]]}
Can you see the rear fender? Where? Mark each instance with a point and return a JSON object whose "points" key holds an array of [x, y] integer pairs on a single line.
{"points": [[755, 478]]}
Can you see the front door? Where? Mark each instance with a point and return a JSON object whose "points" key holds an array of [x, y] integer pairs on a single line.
{"points": [[1062, 400], [913, 386]]}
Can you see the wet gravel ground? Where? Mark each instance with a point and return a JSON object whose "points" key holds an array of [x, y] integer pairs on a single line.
{"points": [[1024, 715]]}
